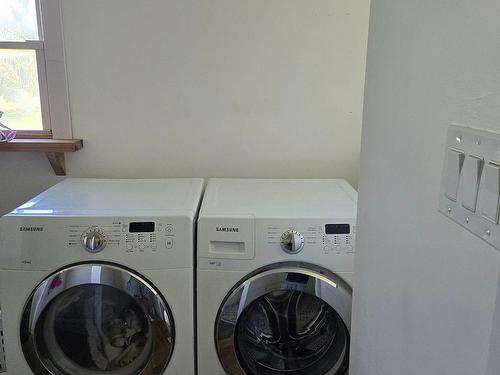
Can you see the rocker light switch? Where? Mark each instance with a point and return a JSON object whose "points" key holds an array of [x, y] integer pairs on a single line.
{"points": [[453, 167], [471, 175], [489, 192], [469, 182]]}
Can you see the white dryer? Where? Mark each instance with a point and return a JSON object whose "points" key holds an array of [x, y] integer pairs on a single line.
{"points": [[275, 266], [96, 277]]}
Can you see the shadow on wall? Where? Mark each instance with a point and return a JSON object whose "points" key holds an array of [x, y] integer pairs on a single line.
{"points": [[494, 354]]}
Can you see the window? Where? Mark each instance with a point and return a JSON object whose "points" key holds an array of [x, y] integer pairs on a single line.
{"points": [[33, 84]]}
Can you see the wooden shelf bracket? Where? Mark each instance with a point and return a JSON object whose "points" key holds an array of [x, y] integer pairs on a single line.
{"points": [[57, 162], [54, 149]]}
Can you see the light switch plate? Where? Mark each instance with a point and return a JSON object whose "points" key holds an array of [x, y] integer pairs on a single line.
{"points": [[485, 146]]}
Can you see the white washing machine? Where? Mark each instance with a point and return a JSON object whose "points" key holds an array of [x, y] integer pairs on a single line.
{"points": [[275, 267], [96, 277]]}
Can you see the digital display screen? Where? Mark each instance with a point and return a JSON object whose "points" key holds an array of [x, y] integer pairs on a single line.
{"points": [[337, 229], [141, 227]]}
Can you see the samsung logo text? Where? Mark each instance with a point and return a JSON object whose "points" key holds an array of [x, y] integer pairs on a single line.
{"points": [[31, 229], [226, 229]]}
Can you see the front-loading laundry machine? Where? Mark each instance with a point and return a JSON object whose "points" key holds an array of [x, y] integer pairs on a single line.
{"points": [[274, 275], [96, 277]]}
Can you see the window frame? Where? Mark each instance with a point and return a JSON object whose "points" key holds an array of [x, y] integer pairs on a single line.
{"points": [[51, 69]]}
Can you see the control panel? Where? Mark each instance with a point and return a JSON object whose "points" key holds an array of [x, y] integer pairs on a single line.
{"points": [[331, 238], [244, 244], [134, 236]]}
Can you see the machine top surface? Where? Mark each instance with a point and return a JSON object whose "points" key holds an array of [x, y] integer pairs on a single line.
{"points": [[107, 197], [281, 198]]}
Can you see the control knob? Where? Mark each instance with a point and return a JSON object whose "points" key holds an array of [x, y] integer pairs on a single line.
{"points": [[93, 240], [292, 241]]}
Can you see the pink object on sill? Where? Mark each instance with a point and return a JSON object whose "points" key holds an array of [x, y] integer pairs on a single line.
{"points": [[6, 133]]}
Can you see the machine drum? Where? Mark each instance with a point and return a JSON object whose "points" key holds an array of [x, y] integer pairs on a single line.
{"points": [[291, 332]]}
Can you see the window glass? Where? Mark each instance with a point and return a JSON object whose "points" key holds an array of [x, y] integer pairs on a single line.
{"points": [[19, 91], [94, 329], [291, 332], [18, 20]]}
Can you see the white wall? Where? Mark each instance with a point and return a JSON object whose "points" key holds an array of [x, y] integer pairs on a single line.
{"points": [[261, 88], [425, 287]]}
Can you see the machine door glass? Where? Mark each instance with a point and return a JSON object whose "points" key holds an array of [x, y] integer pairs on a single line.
{"points": [[286, 319], [96, 319]]}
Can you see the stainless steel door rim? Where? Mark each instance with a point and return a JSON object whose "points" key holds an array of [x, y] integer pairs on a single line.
{"points": [[115, 321], [266, 297]]}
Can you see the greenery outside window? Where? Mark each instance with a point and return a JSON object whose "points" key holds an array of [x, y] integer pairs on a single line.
{"points": [[33, 83]]}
